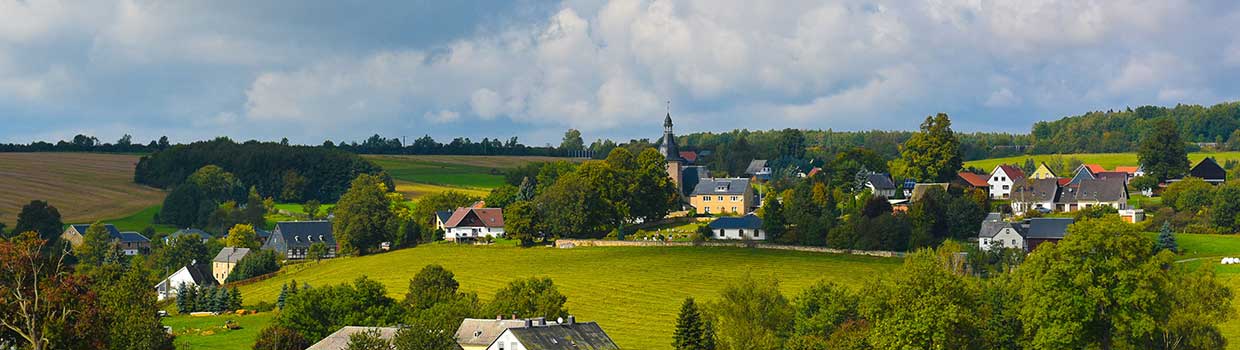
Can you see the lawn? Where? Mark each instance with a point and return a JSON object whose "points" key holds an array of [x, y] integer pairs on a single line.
{"points": [[1207, 249], [1106, 160], [634, 293], [413, 169], [140, 220], [82, 186], [209, 332]]}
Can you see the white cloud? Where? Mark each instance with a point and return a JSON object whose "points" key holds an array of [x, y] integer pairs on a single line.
{"points": [[443, 116], [1002, 98]]}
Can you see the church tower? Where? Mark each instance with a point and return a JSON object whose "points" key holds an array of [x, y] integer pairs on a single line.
{"points": [[670, 152]]}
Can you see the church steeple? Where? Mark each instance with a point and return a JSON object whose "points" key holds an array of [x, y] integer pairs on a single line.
{"points": [[668, 147]]}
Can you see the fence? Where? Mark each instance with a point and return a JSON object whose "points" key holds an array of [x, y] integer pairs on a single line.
{"points": [[572, 243]]}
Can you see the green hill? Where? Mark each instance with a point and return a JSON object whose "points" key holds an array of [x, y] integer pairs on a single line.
{"points": [[1107, 160]]}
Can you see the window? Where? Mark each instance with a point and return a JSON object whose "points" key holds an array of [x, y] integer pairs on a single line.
{"points": [[501, 345], [297, 238], [706, 210], [705, 198], [720, 198], [1006, 187], [1013, 242], [736, 198], [734, 210]]}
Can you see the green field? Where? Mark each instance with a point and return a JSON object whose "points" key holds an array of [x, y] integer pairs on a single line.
{"points": [[140, 220], [634, 293], [209, 332], [1106, 160], [413, 169]]}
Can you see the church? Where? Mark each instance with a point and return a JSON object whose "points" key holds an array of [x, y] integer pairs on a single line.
{"points": [[707, 195]]}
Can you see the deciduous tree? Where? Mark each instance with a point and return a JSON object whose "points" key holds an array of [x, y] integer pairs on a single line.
{"points": [[242, 236], [529, 297], [752, 314], [933, 154], [362, 216], [1162, 152]]}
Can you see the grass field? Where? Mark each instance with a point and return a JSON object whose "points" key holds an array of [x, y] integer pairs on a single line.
{"points": [[83, 186], [1106, 160], [634, 293], [140, 220], [209, 332], [416, 169]]}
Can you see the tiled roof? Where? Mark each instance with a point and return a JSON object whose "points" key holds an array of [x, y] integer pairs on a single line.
{"points": [[992, 225], [189, 232], [339, 340], [880, 181], [689, 156], [729, 186], [1013, 172], [482, 332], [975, 180], [1095, 168], [132, 237], [1127, 169], [749, 221], [1046, 228], [231, 255], [755, 166], [1042, 190], [1208, 169], [476, 217], [576, 336]]}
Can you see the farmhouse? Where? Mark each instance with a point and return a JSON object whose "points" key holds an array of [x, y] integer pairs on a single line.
{"points": [[192, 232], [880, 185], [225, 261], [473, 223], [339, 340], [538, 335], [1207, 170], [1041, 195], [131, 243], [1028, 234], [1063, 196], [1041, 230], [720, 196], [293, 238], [1043, 172], [1003, 179], [758, 170], [973, 181], [742, 227], [194, 274], [477, 334]]}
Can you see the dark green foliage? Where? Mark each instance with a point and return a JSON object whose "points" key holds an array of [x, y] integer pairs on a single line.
{"points": [[1095, 212], [521, 222], [1166, 239], [752, 314], [876, 206], [1122, 131], [939, 216], [791, 144], [528, 298], [361, 217], [279, 300], [1188, 195], [317, 312], [317, 251], [276, 337], [432, 285], [1226, 206], [691, 329], [822, 308], [1162, 152], [311, 207], [206, 299], [426, 206], [326, 172], [501, 197], [181, 205], [180, 252], [773, 218], [368, 340], [42, 218], [425, 336], [256, 263], [128, 304], [930, 155]]}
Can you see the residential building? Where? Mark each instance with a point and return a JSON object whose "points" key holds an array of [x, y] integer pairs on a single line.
{"points": [[689, 178], [919, 190], [880, 185], [1042, 230], [293, 238], [758, 169], [997, 233], [1042, 195], [1207, 170], [1003, 179], [477, 334], [441, 218], [748, 227], [339, 340], [1111, 192], [1132, 171], [973, 181], [723, 196], [131, 243], [568, 335], [1043, 172], [1132, 216], [225, 261], [472, 223], [194, 275], [193, 232]]}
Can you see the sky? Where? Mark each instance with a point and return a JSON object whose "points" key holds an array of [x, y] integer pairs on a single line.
{"points": [[316, 70]]}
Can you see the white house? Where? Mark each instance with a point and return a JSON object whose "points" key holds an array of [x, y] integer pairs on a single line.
{"points": [[568, 335], [738, 227], [880, 185], [477, 334], [1003, 179], [474, 223], [194, 274], [996, 233]]}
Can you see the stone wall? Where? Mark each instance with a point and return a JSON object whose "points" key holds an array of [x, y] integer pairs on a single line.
{"points": [[572, 243]]}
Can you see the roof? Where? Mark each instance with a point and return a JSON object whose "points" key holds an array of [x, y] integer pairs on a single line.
{"points": [[975, 180], [1042, 190], [814, 171], [189, 232], [301, 234], [1094, 168], [1046, 228], [880, 181], [124, 237], [1012, 172], [919, 190], [1127, 169], [112, 231], [1208, 169], [576, 336], [443, 215], [476, 217], [749, 221], [339, 340], [721, 186], [1101, 190], [689, 156], [1063, 181], [200, 273], [755, 166], [667, 143], [231, 255], [482, 332], [992, 225], [133, 237]]}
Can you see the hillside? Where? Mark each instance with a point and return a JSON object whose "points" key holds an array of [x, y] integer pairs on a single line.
{"points": [[1107, 160], [417, 175], [634, 293], [83, 186]]}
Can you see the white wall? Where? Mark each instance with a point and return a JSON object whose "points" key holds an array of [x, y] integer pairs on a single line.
{"points": [[736, 234], [1006, 238], [174, 282], [506, 341], [998, 181], [468, 232]]}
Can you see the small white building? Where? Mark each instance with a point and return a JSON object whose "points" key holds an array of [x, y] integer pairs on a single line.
{"points": [[194, 274], [738, 227], [1003, 179], [473, 223], [996, 233], [568, 335]]}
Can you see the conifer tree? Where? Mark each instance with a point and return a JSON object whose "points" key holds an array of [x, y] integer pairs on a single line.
{"points": [[283, 294], [692, 332], [182, 296], [1166, 239], [235, 301]]}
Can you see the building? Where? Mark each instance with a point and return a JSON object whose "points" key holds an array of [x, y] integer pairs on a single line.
{"points": [[1003, 179], [1027, 234], [1042, 230], [477, 334], [1087, 193], [671, 153], [131, 243], [1043, 172], [1132, 216], [193, 232], [722, 196], [880, 185], [293, 238], [569, 335], [748, 227], [473, 223], [690, 157], [1041, 195], [997, 233], [973, 181], [339, 340], [194, 275], [919, 190], [758, 169], [225, 261], [441, 218], [1207, 170]]}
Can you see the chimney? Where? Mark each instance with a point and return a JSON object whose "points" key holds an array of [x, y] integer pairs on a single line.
{"points": [[499, 317], [529, 323], [572, 319], [514, 316]]}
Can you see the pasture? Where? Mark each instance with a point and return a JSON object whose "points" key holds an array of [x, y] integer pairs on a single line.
{"points": [[83, 186], [1106, 160], [209, 333]]}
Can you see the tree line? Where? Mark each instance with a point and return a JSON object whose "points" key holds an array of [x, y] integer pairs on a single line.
{"points": [[1123, 130]]}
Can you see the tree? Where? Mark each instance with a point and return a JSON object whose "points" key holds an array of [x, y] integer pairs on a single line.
{"points": [[1162, 153], [424, 336], [317, 251], [42, 218], [98, 247], [294, 186], [773, 221], [1143, 183], [181, 205], [276, 337], [255, 210], [528, 298], [932, 155], [432, 285], [242, 236], [180, 252], [691, 328], [752, 314], [1226, 207], [652, 193], [1103, 285], [317, 312], [311, 208], [1166, 239], [572, 141], [368, 340], [257, 263], [791, 144], [1199, 304], [520, 222], [502, 196], [822, 308], [924, 306], [46, 307], [129, 305], [215, 183], [1188, 195], [362, 216]]}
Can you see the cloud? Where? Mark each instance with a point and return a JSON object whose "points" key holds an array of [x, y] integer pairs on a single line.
{"points": [[443, 116], [1002, 98]]}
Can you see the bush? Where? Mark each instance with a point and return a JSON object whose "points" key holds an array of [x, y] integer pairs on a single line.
{"points": [[278, 337], [254, 264]]}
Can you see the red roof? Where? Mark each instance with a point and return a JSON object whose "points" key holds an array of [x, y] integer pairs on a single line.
{"points": [[1013, 172], [1127, 169], [1095, 168], [1063, 181], [975, 180], [476, 217], [689, 156], [814, 171]]}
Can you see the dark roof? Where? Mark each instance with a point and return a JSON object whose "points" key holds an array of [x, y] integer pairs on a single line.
{"points": [[1042, 190], [476, 217], [1102, 190], [992, 225], [132, 237], [730, 186], [880, 181], [201, 273], [755, 166], [1013, 173], [1046, 228], [667, 144], [230, 254], [575, 336], [124, 237], [300, 234], [112, 231], [443, 215], [482, 332], [1208, 169], [749, 221], [189, 232]]}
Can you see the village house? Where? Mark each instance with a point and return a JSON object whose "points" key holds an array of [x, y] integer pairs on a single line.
{"points": [[973, 181], [293, 238], [477, 334], [130, 243], [225, 261], [1003, 179], [1048, 195], [758, 170], [997, 233], [1027, 234], [1043, 172], [748, 227], [1041, 195], [194, 275], [880, 185], [192, 232], [568, 335], [722, 196], [1207, 169], [339, 340], [467, 224]]}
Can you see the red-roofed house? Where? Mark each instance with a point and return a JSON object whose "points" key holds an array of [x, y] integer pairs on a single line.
{"points": [[1094, 168], [1003, 179], [978, 181], [474, 223], [1131, 170], [689, 156]]}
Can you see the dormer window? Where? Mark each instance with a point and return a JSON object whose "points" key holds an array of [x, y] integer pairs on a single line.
{"points": [[321, 238], [297, 238], [721, 188]]}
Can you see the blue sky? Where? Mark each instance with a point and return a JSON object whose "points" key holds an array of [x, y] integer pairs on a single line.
{"points": [[312, 71]]}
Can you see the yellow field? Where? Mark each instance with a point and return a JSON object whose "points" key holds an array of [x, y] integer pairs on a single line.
{"points": [[83, 186]]}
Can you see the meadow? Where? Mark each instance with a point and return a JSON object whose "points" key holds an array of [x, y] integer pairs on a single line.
{"points": [[1106, 160], [83, 186], [209, 333]]}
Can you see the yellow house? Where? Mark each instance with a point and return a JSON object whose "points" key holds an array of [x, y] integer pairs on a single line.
{"points": [[722, 196], [225, 261], [1043, 172]]}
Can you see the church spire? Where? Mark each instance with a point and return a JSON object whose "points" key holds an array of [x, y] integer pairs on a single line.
{"points": [[668, 147]]}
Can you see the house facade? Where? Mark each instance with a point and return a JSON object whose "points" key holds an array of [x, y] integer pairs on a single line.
{"points": [[758, 170], [130, 243], [1003, 179], [1209, 170], [568, 335], [1043, 172], [293, 238], [1028, 234], [723, 196], [1063, 196], [224, 262], [477, 334], [748, 227], [194, 274], [339, 340], [474, 223], [880, 185], [192, 232], [997, 233]]}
